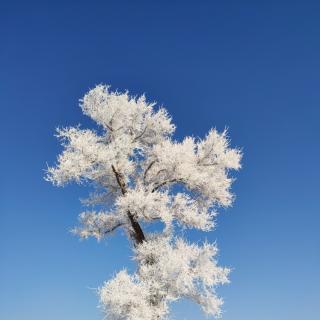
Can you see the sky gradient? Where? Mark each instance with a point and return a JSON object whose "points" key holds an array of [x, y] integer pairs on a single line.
{"points": [[251, 66]]}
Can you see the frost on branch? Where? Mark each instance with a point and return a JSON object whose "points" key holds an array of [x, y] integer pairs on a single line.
{"points": [[191, 213], [141, 175], [123, 115], [98, 225], [168, 270]]}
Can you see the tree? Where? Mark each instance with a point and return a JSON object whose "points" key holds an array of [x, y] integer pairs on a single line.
{"points": [[140, 176]]}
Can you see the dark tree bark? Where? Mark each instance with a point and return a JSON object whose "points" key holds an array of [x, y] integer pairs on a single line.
{"points": [[137, 233]]}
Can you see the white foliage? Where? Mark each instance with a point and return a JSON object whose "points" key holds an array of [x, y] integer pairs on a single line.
{"points": [[124, 115], [98, 224], [192, 213], [145, 205], [124, 297], [142, 175], [168, 270]]}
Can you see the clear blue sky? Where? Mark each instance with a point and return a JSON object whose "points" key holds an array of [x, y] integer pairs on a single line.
{"points": [[253, 66]]}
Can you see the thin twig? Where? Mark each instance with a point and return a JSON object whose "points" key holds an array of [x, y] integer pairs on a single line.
{"points": [[146, 172]]}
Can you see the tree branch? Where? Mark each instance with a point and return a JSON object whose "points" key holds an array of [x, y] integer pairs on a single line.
{"points": [[140, 135], [164, 183], [137, 233], [120, 181], [114, 227], [148, 168]]}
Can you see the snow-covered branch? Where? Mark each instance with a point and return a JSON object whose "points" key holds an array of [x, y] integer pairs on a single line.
{"points": [[142, 175], [168, 270], [97, 225]]}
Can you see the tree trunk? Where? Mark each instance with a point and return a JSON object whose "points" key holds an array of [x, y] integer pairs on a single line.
{"points": [[137, 232]]}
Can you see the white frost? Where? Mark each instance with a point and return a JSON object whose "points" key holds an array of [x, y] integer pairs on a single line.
{"points": [[142, 175]]}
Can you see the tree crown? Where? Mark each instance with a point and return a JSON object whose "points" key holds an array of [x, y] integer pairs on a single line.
{"points": [[142, 175]]}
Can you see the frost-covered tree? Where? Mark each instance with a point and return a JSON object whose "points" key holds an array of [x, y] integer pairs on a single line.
{"points": [[141, 176]]}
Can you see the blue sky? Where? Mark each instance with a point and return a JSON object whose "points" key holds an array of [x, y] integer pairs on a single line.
{"points": [[252, 66]]}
